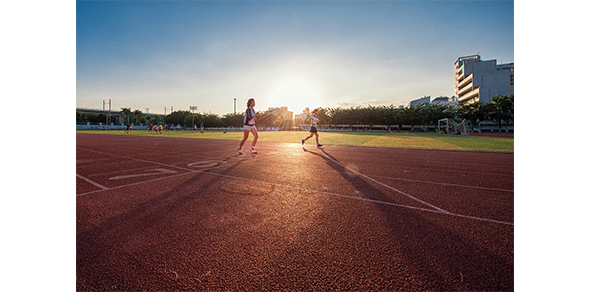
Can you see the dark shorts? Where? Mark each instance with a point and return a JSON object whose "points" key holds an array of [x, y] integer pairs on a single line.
{"points": [[313, 129]]}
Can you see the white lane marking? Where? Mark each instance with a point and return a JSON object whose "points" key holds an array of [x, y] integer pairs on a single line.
{"points": [[137, 159], [439, 210], [205, 164], [190, 171], [92, 182], [387, 186], [120, 171], [443, 212], [136, 183], [431, 182], [157, 171], [448, 184], [79, 161]]}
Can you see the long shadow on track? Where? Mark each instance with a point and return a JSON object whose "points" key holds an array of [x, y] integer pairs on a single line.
{"points": [[439, 258], [95, 247]]}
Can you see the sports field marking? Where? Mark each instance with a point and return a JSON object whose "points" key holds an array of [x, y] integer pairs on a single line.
{"points": [[207, 171], [157, 171], [414, 198], [451, 185], [137, 159], [136, 183], [92, 182], [387, 186], [121, 171], [205, 164], [435, 183], [470, 172], [441, 211]]}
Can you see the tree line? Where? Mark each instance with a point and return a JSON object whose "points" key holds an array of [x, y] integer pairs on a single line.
{"points": [[499, 111]]}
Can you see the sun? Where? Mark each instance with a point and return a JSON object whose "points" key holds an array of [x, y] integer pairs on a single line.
{"points": [[296, 94]]}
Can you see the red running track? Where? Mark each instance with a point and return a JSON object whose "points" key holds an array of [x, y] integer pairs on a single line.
{"points": [[181, 214]]}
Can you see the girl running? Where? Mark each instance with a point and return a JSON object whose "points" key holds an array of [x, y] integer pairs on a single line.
{"points": [[314, 130], [249, 120]]}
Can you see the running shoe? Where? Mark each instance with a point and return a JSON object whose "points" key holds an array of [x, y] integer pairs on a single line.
{"points": [[253, 150], [239, 151], [320, 145], [302, 142]]}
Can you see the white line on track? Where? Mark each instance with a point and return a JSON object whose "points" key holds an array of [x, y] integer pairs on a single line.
{"points": [[121, 171], [387, 186], [461, 171], [137, 159], [136, 183], [433, 182], [365, 199], [207, 171], [92, 182], [414, 198], [448, 184]]}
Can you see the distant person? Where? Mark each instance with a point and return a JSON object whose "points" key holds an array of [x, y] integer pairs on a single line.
{"points": [[169, 128], [314, 120], [128, 128], [160, 128], [150, 128], [156, 129], [178, 128], [249, 126], [202, 128]]}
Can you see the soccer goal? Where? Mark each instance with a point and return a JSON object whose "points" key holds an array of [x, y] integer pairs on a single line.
{"points": [[451, 126]]}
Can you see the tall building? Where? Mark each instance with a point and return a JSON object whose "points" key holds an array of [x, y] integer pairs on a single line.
{"points": [[302, 116], [478, 80]]}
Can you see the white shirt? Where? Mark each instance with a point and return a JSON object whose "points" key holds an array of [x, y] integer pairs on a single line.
{"points": [[314, 120]]}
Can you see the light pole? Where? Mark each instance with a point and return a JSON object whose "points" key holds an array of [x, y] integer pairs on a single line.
{"points": [[193, 108], [234, 101]]}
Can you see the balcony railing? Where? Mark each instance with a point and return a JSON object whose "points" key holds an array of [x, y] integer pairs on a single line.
{"points": [[469, 95]]}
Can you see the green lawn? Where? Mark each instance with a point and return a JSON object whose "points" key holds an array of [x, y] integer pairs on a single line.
{"points": [[369, 139]]}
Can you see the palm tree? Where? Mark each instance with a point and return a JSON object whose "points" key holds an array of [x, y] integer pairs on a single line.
{"points": [[138, 114], [126, 112]]}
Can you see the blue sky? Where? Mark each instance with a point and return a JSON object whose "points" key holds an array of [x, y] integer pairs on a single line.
{"points": [[163, 54]]}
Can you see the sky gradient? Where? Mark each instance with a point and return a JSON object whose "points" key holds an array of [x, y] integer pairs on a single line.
{"points": [[163, 54]]}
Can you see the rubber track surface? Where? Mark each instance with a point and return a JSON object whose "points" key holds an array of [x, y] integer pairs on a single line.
{"points": [[160, 214]]}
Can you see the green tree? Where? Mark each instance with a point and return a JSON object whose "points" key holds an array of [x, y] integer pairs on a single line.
{"points": [[503, 108], [126, 113], [153, 119], [178, 118], [474, 113], [211, 120], [138, 115], [188, 120], [389, 115], [233, 120], [323, 115]]}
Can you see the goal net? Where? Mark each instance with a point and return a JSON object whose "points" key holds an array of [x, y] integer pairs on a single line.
{"points": [[452, 126]]}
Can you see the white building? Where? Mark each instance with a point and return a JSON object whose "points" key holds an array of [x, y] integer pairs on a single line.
{"points": [[477, 80], [423, 101], [445, 100]]}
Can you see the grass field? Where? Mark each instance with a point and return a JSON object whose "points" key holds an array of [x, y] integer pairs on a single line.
{"points": [[370, 139]]}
